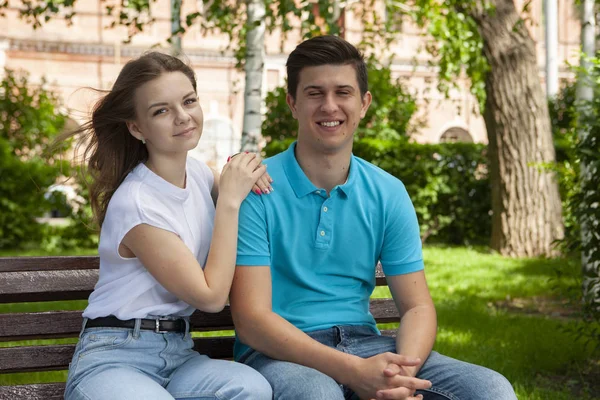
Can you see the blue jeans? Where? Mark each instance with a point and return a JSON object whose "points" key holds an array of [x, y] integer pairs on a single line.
{"points": [[452, 379], [121, 363]]}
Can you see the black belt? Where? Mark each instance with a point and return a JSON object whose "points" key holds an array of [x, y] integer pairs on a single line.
{"points": [[156, 325]]}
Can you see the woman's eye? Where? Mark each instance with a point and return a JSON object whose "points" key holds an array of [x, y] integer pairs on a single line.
{"points": [[160, 111], [190, 101]]}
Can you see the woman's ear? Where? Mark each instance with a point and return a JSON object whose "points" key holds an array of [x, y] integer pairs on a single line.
{"points": [[135, 130]]}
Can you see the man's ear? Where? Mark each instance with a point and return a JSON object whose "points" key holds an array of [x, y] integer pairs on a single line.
{"points": [[134, 130], [292, 104], [366, 102]]}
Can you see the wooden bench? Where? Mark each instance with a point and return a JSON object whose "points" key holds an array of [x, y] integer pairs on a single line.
{"points": [[43, 279]]}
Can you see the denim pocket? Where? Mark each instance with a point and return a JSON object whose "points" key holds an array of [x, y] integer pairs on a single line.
{"points": [[103, 339]]}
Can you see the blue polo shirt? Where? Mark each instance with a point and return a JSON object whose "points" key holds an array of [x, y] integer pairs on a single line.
{"points": [[322, 250]]}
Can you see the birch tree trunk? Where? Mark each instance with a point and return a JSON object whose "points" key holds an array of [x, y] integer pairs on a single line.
{"points": [[255, 61], [527, 212], [175, 28]]}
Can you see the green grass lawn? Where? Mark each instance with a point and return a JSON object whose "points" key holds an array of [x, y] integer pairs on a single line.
{"points": [[501, 313]]}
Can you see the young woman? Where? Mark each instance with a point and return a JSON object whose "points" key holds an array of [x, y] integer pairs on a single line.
{"points": [[165, 248]]}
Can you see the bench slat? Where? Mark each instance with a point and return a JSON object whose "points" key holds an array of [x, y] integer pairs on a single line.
{"points": [[57, 357], [60, 324], [38, 391], [18, 287], [20, 264], [54, 285]]}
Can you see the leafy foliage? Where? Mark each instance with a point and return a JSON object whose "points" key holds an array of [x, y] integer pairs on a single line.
{"points": [[29, 120], [587, 200], [457, 47], [577, 138], [311, 18]]}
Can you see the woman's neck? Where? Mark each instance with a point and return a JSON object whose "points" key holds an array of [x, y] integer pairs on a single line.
{"points": [[170, 168]]}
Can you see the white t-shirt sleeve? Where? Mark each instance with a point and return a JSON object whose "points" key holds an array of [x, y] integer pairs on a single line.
{"points": [[134, 206]]}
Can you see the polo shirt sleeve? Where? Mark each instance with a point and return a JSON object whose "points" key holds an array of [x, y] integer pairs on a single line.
{"points": [[253, 241], [401, 252]]}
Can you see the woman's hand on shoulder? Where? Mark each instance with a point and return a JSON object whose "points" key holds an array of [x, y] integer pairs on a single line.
{"points": [[241, 174]]}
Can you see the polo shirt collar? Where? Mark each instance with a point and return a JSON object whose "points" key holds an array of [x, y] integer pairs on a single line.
{"points": [[300, 182]]}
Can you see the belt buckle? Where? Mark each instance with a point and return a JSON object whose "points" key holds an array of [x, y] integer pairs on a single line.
{"points": [[157, 326]]}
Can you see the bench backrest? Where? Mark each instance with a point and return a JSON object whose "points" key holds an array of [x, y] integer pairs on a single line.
{"points": [[47, 279]]}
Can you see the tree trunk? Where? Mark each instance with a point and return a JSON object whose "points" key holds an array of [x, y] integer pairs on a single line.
{"points": [[255, 61], [175, 38], [527, 212], [590, 240]]}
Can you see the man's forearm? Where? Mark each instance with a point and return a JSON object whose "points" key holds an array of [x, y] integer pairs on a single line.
{"points": [[416, 334], [275, 337]]}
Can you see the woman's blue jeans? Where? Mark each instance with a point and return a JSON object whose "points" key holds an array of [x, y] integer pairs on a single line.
{"points": [[130, 364], [452, 379]]}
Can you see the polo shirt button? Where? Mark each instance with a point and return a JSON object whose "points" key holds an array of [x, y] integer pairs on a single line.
{"points": [[325, 209], [317, 191], [322, 233]]}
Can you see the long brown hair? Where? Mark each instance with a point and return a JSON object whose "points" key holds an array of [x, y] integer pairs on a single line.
{"points": [[110, 151]]}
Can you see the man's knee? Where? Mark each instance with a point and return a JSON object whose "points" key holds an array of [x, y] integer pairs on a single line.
{"points": [[252, 385], [502, 388], [294, 381], [306, 384]]}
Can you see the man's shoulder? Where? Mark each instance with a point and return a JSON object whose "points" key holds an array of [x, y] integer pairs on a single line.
{"points": [[373, 174], [276, 160]]}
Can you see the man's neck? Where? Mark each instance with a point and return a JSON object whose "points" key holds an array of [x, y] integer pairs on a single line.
{"points": [[324, 170]]}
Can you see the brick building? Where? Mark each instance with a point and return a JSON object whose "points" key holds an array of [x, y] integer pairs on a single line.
{"points": [[88, 54]]}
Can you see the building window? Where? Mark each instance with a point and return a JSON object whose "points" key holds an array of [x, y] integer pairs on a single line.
{"points": [[453, 135]]}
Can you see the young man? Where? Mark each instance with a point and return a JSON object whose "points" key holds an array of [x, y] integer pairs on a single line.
{"points": [[307, 255]]}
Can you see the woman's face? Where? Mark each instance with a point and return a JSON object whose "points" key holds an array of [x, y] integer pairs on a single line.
{"points": [[168, 115]]}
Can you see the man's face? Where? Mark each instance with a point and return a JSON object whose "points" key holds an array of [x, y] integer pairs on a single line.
{"points": [[328, 107]]}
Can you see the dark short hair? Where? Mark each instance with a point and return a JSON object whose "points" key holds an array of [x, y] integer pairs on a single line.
{"points": [[323, 50]]}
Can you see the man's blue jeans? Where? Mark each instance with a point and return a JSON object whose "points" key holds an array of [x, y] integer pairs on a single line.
{"points": [[451, 379]]}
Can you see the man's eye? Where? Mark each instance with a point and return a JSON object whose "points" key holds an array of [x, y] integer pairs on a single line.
{"points": [[313, 94]]}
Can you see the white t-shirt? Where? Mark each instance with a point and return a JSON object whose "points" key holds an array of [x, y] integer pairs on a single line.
{"points": [[125, 288]]}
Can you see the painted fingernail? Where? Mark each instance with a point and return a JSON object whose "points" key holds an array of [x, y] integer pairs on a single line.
{"points": [[266, 191], [228, 158], [270, 180], [257, 191], [271, 188]]}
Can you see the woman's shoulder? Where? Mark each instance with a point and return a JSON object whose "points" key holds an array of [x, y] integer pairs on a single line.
{"points": [[133, 194], [199, 171]]}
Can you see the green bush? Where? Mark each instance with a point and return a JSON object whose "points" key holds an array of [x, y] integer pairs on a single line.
{"points": [[576, 129], [447, 183], [30, 120]]}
